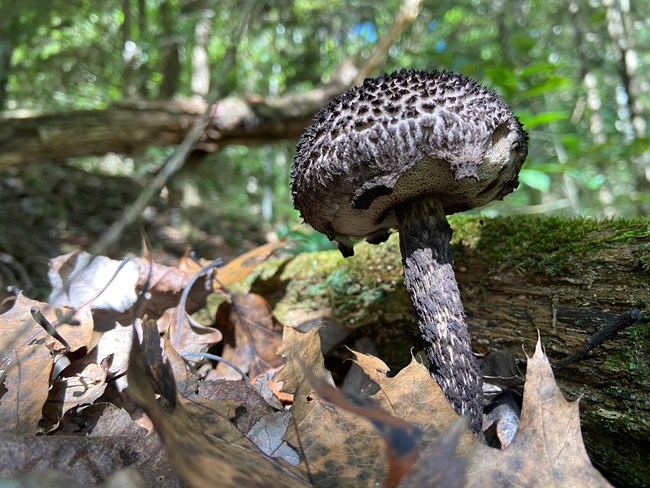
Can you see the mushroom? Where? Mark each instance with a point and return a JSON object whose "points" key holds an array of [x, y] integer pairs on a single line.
{"points": [[403, 151]]}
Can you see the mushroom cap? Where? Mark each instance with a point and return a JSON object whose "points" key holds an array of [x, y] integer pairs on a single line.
{"points": [[410, 134]]}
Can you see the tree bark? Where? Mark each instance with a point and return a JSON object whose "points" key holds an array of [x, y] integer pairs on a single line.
{"points": [[130, 127], [519, 278]]}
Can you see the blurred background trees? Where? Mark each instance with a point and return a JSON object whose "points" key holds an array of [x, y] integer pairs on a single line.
{"points": [[576, 73]]}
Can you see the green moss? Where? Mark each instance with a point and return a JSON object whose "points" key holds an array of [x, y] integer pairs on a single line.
{"points": [[547, 245], [636, 358]]}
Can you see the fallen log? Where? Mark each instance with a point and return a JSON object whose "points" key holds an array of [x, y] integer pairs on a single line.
{"points": [[567, 280]]}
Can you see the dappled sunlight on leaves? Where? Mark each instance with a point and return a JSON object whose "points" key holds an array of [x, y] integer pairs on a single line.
{"points": [[27, 356], [285, 424], [199, 454]]}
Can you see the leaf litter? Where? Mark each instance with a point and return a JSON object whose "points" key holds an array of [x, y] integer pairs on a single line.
{"points": [[97, 389]]}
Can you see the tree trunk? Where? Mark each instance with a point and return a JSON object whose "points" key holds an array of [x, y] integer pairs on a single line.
{"points": [[519, 277]]}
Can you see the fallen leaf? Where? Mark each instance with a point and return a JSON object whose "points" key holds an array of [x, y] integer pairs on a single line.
{"points": [[547, 450], [115, 343], [81, 383], [79, 279], [240, 267], [187, 336], [340, 449], [201, 459], [400, 437], [412, 395], [109, 442], [26, 357], [165, 286], [267, 434], [439, 465], [125, 478], [226, 397], [252, 336]]}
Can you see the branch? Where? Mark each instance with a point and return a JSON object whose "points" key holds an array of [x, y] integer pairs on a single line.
{"points": [[131, 126]]}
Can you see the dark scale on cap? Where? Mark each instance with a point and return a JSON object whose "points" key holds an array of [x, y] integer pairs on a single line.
{"points": [[429, 133]]}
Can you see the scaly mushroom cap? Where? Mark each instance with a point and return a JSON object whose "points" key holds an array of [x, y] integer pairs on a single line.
{"points": [[402, 136]]}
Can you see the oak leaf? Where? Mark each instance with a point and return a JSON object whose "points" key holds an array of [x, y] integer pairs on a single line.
{"points": [[27, 354], [547, 450], [216, 454]]}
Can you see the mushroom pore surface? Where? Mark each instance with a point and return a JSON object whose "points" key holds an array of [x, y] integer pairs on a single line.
{"points": [[401, 136]]}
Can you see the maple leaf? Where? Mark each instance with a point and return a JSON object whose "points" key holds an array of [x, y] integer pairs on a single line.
{"points": [[337, 448], [343, 449]]}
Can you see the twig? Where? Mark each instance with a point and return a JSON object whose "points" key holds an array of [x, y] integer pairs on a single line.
{"points": [[40, 319], [214, 357], [180, 310], [626, 319]]}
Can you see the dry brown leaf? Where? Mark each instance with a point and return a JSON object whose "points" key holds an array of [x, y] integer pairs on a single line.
{"points": [[547, 450], [412, 395], [115, 343], [340, 448], [109, 442], [237, 269], [225, 397], [26, 356], [400, 437], [251, 336], [165, 285], [217, 455], [240, 267], [439, 466], [81, 383], [188, 336], [79, 279]]}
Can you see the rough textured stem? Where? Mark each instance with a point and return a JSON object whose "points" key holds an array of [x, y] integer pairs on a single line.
{"points": [[429, 277]]}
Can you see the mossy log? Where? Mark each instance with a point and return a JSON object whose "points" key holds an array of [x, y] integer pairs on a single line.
{"points": [[564, 279]]}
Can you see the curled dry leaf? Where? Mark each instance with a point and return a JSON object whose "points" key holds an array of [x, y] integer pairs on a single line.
{"points": [[240, 267], [79, 278], [237, 269], [26, 357], [187, 336], [165, 285], [81, 383]]}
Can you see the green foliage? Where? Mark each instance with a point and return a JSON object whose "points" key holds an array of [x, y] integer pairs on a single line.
{"points": [[557, 65]]}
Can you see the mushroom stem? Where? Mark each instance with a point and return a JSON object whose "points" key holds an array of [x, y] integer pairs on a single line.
{"points": [[425, 243]]}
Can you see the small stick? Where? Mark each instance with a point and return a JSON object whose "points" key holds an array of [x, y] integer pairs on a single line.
{"points": [[626, 319], [40, 319]]}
